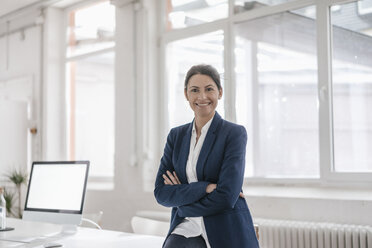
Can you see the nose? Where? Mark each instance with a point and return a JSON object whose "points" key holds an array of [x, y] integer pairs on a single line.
{"points": [[202, 94]]}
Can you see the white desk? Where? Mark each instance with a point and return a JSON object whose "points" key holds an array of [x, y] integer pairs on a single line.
{"points": [[35, 234]]}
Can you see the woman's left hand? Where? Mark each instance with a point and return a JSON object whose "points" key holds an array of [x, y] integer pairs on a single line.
{"points": [[171, 179]]}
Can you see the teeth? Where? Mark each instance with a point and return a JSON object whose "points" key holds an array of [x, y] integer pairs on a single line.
{"points": [[203, 104]]}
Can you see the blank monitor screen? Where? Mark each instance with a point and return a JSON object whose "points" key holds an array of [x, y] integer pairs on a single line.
{"points": [[57, 187]]}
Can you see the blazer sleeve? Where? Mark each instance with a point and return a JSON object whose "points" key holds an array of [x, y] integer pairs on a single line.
{"points": [[175, 195], [230, 179]]}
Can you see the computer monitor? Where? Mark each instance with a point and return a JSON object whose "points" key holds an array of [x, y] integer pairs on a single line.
{"points": [[56, 192]]}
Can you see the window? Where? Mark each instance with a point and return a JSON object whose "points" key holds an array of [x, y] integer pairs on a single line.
{"points": [[90, 87], [247, 5], [352, 87], [276, 95], [278, 85], [87, 33], [185, 13]]}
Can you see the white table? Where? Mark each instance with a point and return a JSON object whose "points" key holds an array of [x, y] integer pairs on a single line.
{"points": [[35, 234]]}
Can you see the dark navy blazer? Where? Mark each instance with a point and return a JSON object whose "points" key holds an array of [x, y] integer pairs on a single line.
{"points": [[227, 219]]}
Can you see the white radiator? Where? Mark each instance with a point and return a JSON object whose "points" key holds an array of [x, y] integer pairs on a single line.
{"points": [[298, 234]]}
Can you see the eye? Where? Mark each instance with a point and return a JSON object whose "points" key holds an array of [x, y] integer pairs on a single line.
{"points": [[210, 89], [194, 90]]}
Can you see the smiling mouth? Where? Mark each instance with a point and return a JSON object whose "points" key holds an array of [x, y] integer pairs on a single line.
{"points": [[203, 104]]}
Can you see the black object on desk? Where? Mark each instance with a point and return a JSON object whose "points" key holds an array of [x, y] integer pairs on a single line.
{"points": [[52, 245], [7, 229]]}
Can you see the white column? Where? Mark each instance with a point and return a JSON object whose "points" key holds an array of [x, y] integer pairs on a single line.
{"points": [[54, 121]]}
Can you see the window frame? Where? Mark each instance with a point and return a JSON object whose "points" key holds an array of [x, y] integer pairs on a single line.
{"points": [[327, 175]]}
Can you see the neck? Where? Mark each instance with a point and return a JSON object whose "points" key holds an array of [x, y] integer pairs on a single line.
{"points": [[200, 121]]}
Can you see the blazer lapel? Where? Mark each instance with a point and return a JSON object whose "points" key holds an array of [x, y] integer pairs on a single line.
{"points": [[207, 146], [184, 154]]}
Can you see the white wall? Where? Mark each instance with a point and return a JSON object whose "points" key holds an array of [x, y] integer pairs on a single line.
{"points": [[20, 57], [32, 51], [305, 203], [20, 63]]}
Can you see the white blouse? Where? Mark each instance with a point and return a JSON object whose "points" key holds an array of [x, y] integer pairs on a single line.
{"points": [[194, 226]]}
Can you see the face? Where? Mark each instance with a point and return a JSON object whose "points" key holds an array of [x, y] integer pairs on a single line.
{"points": [[203, 95]]}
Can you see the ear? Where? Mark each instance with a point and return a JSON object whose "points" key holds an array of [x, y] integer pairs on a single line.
{"points": [[220, 94], [185, 91]]}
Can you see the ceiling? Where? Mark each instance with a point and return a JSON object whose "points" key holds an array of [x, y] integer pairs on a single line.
{"points": [[8, 6]]}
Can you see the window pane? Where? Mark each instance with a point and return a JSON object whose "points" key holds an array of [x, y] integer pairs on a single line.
{"points": [[276, 95], [92, 109], [181, 55], [87, 33], [352, 86], [185, 13], [247, 5]]}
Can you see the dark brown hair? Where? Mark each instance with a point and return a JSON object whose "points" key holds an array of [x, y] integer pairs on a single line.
{"points": [[204, 69]]}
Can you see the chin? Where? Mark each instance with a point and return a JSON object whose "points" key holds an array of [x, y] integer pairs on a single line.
{"points": [[204, 113]]}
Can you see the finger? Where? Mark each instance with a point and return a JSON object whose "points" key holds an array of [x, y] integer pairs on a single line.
{"points": [[171, 177], [176, 177], [241, 195], [167, 181]]}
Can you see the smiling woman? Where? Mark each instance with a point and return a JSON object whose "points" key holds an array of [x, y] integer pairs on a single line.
{"points": [[201, 173]]}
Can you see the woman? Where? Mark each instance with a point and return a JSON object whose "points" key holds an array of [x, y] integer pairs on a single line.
{"points": [[201, 173]]}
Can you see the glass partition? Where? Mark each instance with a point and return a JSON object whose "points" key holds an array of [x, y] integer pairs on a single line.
{"points": [[92, 114], [276, 94], [247, 5], [185, 13], [87, 33], [352, 86]]}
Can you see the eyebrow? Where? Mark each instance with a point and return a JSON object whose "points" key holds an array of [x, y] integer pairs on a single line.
{"points": [[209, 85]]}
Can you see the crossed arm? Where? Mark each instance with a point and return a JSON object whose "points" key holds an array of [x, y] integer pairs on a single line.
{"points": [[204, 198], [172, 179], [175, 194]]}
